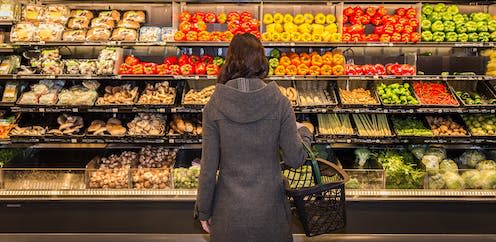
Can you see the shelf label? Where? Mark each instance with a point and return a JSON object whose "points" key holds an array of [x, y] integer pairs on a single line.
{"points": [[171, 141], [115, 110], [161, 110], [73, 141], [41, 110], [75, 110]]}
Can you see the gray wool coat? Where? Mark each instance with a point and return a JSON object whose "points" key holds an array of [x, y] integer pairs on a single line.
{"points": [[245, 125]]}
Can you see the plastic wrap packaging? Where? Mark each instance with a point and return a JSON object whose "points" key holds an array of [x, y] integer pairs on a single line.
{"points": [[50, 54], [108, 54], [7, 10], [78, 23], [50, 98], [9, 64], [52, 67], [78, 13], [98, 34], [24, 31], [56, 14], [150, 34], [77, 95], [123, 34], [128, 24], [49, 32], [74, 35], [10, 92], [105, 67], [32, 13], [102, 23], [110, 15], [136, 16], [72, 67], [167, 34], [87, 67]]}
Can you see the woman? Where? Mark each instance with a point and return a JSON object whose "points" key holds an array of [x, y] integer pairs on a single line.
{"points": [[245, 125]]}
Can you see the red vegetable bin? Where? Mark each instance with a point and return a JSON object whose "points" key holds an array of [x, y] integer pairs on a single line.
{"points": [[434, 93]]}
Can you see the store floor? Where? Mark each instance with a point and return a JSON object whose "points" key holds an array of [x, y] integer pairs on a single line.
{"points": [[203, 238]]}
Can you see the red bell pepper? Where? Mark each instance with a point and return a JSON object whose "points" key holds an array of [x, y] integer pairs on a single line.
{"points": [[246, 16], [354, 19], [349, 11], [131, 60], [385, 38], [193, 59], [171, 60], [125, 69], [232, 27], [204, 36], [210, 17], [380, 69], [346, 19], [138, 69], [373, 37], [359, 11], [227, 36], [207, 59], [356, 37], [163, 69], [415, 37], [381, 11], [183, 59], [192, 36], [187, 69], [233, 16], [396, 37], [379, 30], [200, 26], [216, 36], [198, 16], [401, 11], [200, 68], [398, 28], [403, 20], [150, 68], [377, 20], [346, 37], [389, 29], [179, 36], [414, 23], [411, 13], [185, 26], [185, 16], [407, 29], [212, 70], [221, 18], [371, 11], [174, 70], [405, 37], [365, 19]]}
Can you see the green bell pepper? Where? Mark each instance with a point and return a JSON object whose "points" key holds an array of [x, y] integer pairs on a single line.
{"points": [[427, 9], [449, 26], [479, 17], [458, 19], [438, 36], [463, 37], [461, 28], [271, 71], [426, 24], [451, 37], [493, 36], [482, 27], [273, 62], [435, 16], [219, 60], [440, 8], [473, 37], [484, 37], [466, 17], [446, 16], [275, 53], [437, 26], [427, 36], [453, 9], [471, 26], [491, 25]]}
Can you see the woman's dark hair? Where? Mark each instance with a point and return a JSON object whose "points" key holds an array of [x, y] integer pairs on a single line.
{"points": [[245, 58]]}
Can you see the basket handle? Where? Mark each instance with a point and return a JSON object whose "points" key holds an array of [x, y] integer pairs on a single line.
{"points": [[315, 165], [335, 167]]}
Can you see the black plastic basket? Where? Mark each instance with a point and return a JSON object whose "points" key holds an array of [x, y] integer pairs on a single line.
{"points": [[317, 196]]}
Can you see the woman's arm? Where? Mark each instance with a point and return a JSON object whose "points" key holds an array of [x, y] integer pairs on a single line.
{"points": [[291, 139], [209, 166]]}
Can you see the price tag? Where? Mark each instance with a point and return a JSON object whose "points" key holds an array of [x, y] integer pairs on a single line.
{"points": [[199, 140], [161, 110], [73, 141], [201, 110], [41, 110], [325, 110], [115, 110], [171, 141], [51, 77], [493, 111], [173, 110], [75, 110]]}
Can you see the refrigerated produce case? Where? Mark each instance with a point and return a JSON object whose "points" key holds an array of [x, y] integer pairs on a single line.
{"points": [[54, 152]]}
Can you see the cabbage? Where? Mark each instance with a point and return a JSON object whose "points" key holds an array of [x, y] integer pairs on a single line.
{"points": [[472, 179], [418, 151], [437, 151], [436, 182], [486, 165], [448, 165], [470, 158], [431, 163], [453, 180], [488, 179]]}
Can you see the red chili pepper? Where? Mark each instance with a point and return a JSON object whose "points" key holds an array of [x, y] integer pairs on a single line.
{"points": [[433, 93]]}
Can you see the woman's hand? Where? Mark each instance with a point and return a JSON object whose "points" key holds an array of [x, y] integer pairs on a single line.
{"points": [[206, 225]]}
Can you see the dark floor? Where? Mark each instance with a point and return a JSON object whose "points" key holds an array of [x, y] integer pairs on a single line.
{"points": [[203, 238]]}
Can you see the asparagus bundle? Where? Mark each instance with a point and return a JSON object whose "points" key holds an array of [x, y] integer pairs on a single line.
{"points": [[334, 124], [372, 124]]}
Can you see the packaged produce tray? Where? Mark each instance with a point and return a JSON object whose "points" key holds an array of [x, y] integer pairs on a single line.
{"points": [[196, 98], [366, 179], [350, 85], [24, 129], [480, 125], [316, 94], [389, 82], [459, 179], [186, 178], [42, 179], [467, 88], [449, 95], [399, 120], [444, 130]]}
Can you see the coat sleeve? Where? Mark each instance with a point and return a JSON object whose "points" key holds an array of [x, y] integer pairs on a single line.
{"points": [[291, 139], [209, 166]]}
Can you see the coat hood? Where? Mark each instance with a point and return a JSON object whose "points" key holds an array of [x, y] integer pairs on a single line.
{"points": [[246, 100]]}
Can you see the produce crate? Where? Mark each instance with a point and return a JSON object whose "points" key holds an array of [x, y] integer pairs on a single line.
{"points": [[321, 89], [366, 179], [461, 179], [480, 87], [29, 119], [439, 104], [42, 179], [411, 119], [363, 135], [186, 136], [116, 84], [289, 84], [480, 125], [351, 85], [320, 134], [106, 178], [456, 119], [389, 82], [89, 118], [186, 178], [196, 85]]}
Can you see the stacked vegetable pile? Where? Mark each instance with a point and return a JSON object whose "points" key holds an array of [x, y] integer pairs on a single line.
{"points": [[357, 96], [446, 126], [291, 64], [433, 93], [372, 124], [446, 23], [396, 93], [402, 172], [334, 124], [481, 124], [186, 178], [380, 70], [410, 126], [474, 98], [300, 28], [400, 27], [184, 65], [193, 27]]}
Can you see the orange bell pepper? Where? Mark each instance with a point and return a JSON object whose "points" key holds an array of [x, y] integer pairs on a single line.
{"points": [[326, 70], [316, 60], [314, 53], [285, 61], [305, 59], [296, 61], [338, 70], [293, 55], [303, 69], [280, 70], [291, 70], [314, 70], [338, 59], [327, 59]]}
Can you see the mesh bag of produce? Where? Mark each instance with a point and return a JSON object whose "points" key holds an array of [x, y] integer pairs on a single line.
{"points": [[317, 195]]}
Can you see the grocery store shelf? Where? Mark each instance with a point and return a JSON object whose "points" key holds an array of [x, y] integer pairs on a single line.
{"points": [[406, 140]]}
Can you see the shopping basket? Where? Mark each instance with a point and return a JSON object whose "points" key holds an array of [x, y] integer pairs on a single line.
{"points": [[317, 195]]}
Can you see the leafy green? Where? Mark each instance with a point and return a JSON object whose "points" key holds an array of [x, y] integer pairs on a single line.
{"points": [[401, 170]]}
